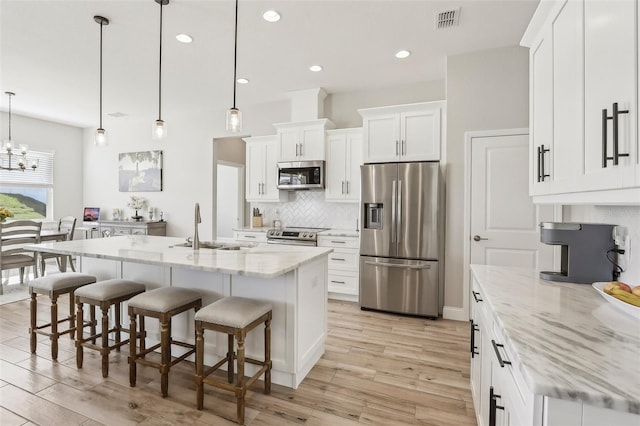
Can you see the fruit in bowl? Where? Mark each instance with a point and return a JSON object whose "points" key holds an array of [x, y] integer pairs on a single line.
{"points": [[624, 292]]}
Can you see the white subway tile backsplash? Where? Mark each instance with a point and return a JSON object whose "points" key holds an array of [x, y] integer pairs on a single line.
{"points": [[308, 208]]}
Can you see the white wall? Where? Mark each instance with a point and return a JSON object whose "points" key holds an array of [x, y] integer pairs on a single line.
{"points": [[66, 142], [485, 90], [227, 193]]}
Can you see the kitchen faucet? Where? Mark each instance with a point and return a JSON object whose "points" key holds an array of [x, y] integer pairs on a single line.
{"points": [[197, 220]]}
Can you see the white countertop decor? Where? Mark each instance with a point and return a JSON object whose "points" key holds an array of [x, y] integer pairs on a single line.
{"points": [[262, 261], [570, 342]]}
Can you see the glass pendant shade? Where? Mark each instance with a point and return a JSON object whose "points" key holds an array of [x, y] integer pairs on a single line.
{"points": [[100, 137], [234, 120], [159, 130]]}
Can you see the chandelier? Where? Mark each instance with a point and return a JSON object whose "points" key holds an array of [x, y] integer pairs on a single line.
{"points": [[8, 148]]}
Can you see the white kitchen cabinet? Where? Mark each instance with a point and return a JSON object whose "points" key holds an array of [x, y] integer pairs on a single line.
{"points": [[583, 60], [343, 266], [302, 141], [343, 160], [409, 132], [262, 172]]}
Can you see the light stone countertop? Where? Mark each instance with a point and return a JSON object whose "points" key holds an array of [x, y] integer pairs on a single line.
{"points": [[570, 342], [339, 233], [252, 229], [261, 261]]}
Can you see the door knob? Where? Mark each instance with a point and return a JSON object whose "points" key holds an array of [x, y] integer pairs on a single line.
{"points": [[478, 238]]}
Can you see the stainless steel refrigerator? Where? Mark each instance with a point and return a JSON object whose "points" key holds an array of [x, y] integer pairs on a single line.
{"points": [[401, 241]]}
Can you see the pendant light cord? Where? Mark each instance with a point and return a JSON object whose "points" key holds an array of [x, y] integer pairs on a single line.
{"points": [[101, 25], [235, 57], [160, 70], [9, 117]]}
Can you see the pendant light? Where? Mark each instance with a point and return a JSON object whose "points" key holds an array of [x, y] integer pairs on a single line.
{"points": [[8, 148], [234, 116], [159, 127], [100, 138]]}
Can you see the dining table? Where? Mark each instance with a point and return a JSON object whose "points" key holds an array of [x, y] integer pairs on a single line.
{"points": [[52, 235]]}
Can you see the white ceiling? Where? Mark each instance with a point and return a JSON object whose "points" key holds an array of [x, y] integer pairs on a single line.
{"points": [[50, 50]]}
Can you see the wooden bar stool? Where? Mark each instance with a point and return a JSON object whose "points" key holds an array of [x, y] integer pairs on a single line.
{"points": [[235, 316], [163, 304], [53, 286], [103, 294]]}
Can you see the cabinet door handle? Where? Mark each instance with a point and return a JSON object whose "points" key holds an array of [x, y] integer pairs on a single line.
{"points": [[347, 187], [500, 360], [403, 148], [475, 296], [301, 150], [397, 144], [539, 163], [543, 151], [493, 406], [473, 346], [343, 187], [615, 131], [296, 150]]}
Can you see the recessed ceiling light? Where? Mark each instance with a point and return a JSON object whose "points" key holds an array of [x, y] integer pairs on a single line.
{"points": [[184, 38], [271, 16], [242, 80], [315, 68], [403, 54]]}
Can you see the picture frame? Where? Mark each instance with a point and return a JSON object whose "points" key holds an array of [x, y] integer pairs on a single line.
{"points": [[140, 171]]}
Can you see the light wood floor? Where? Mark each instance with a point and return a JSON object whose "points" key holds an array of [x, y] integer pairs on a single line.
{"points": [[378, 369]]}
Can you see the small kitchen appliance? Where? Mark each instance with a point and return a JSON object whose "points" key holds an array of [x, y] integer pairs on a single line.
{"points": [[584, 249], [301, 175]]}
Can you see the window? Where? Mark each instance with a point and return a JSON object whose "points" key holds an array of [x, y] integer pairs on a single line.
{"points": [[28, 194]]}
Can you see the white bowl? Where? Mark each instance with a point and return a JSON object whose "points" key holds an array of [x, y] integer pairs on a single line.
{"points": [[625, 307]]}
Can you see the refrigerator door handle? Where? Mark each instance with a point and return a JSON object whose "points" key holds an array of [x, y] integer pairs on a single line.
{"points": [[393, 211], [399, 212], [396, 265]]}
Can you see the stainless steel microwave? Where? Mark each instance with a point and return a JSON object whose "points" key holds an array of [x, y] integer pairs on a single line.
{"points": [[301, 175]]}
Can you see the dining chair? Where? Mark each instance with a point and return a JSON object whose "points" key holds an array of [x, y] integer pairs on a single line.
{"points": [[67, 224], [14, 236]]}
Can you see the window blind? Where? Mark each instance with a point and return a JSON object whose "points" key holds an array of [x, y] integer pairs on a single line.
{"points": [[43, 175]]}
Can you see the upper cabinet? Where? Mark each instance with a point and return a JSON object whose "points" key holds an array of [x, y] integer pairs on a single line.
{"points": [[403, 133], [583, 102], [302, 141], [262, 172], [344, 157]]}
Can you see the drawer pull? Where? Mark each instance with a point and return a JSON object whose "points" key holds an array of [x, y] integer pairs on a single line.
{"points": [[338, 282], [475, 296], [340, 259], [495, 348], [338, 242], [473, 346], [250, 236]]}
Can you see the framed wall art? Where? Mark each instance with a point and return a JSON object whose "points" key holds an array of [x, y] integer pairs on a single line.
{"points": [[140, 171]]}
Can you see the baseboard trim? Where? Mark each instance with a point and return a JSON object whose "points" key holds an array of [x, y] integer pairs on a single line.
{"points": [[454, 313]]}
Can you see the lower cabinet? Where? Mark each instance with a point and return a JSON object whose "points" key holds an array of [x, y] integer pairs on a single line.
{"points": [[343, 266], [501, 397], [115, 228]]}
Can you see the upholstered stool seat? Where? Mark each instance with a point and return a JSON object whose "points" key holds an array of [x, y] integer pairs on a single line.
{"points": [[235, 316], [53, 286], [163, 304], [103, 294]]}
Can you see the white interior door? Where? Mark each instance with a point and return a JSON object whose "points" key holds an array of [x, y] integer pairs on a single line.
{"points": [[229, 199], [504, 222]]}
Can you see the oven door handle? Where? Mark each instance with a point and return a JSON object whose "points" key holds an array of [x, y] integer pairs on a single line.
{"points": [[292, 242]]}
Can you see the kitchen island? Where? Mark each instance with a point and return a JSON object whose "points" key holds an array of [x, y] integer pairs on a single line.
{"points": [[550, 353], [292, 278]]}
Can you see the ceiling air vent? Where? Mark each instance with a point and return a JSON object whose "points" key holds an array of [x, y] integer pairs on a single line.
{"points": [[447, 18]]}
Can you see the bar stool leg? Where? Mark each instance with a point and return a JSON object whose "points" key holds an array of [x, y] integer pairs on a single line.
{"points": [[72, 314], [132, 349], [267, 356], [92, 313], [32, 329], [165, 353], [143, 336], [54, 327], [117, 326], [79, 336], [230, 355], [104, 351], [240, 390], [199, 365]]}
